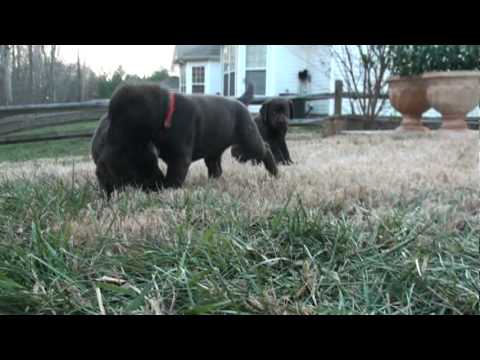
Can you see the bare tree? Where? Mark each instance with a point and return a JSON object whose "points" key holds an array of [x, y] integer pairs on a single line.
{"points": [[40, 74], [37, 74], [18, 83], [79, 79], [5, 75], [364, 70], [8, 75], [31, 85], [51, 78]]}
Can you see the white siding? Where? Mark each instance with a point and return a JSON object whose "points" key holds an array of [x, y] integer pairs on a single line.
{"points": [[241, 64], [241, 85], [272, 61], [291, 59], [284, 62], [286, 68], [213, 77]]}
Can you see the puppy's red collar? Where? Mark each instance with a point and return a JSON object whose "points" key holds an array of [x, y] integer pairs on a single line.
{"points": [[170, 111]]}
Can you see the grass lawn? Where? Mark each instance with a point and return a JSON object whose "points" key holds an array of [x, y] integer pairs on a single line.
{"points": [[61, 128], [382, 224]]}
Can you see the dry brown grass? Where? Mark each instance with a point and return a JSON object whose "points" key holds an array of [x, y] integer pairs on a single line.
{"points": [[373, 170]]}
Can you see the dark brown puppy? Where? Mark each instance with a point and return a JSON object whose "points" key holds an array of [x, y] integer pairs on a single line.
{"points": [[272, 123], [120, 165], [144, 122]]}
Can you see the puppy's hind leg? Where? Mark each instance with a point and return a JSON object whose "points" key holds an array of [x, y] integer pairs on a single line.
{"points": [[236, 152]]}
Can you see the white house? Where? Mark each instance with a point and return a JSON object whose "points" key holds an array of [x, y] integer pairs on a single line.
{"points": [[200, 69], [274, 70]]}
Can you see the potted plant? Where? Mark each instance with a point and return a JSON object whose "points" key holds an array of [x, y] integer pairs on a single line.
{"points": [[445, 77], [453, 82], [407, 89]]}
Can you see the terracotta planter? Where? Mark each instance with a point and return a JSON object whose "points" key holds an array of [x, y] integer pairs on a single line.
{"points": [[408, 95], [453, 94]]}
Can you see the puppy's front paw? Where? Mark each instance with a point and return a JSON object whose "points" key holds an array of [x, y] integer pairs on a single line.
{"points": [[287, 162]]}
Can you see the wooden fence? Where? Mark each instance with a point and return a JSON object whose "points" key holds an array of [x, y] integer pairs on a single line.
{"points": [[15, 119]]}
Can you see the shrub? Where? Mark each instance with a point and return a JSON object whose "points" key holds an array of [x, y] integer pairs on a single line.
{"points": [[411, 60]]}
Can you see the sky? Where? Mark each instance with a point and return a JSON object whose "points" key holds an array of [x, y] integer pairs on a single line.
{"points": [[135, 59]]}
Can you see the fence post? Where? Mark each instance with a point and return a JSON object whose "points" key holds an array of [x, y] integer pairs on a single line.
{"points": [[338, 97]]}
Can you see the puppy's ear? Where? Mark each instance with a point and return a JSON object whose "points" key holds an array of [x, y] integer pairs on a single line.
{"points": [[292, 111]]}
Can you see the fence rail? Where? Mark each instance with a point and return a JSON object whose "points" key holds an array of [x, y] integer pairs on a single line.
{"points": [[48, 108], [24, 139], [18, 123]]}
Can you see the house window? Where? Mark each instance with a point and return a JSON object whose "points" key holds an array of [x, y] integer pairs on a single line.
{"points": [[183, 80], [198, 80], [229, 65], [256, 68]]}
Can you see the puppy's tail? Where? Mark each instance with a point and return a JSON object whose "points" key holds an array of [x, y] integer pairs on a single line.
{"points": [[247, 98]]}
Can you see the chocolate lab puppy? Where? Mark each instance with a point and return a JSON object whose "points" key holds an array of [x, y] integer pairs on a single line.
{"points": [[119, 166], [272, 123], [146, 122]]}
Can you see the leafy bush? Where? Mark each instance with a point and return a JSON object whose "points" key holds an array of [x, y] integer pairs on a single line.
{"points": [[411, 60]]}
